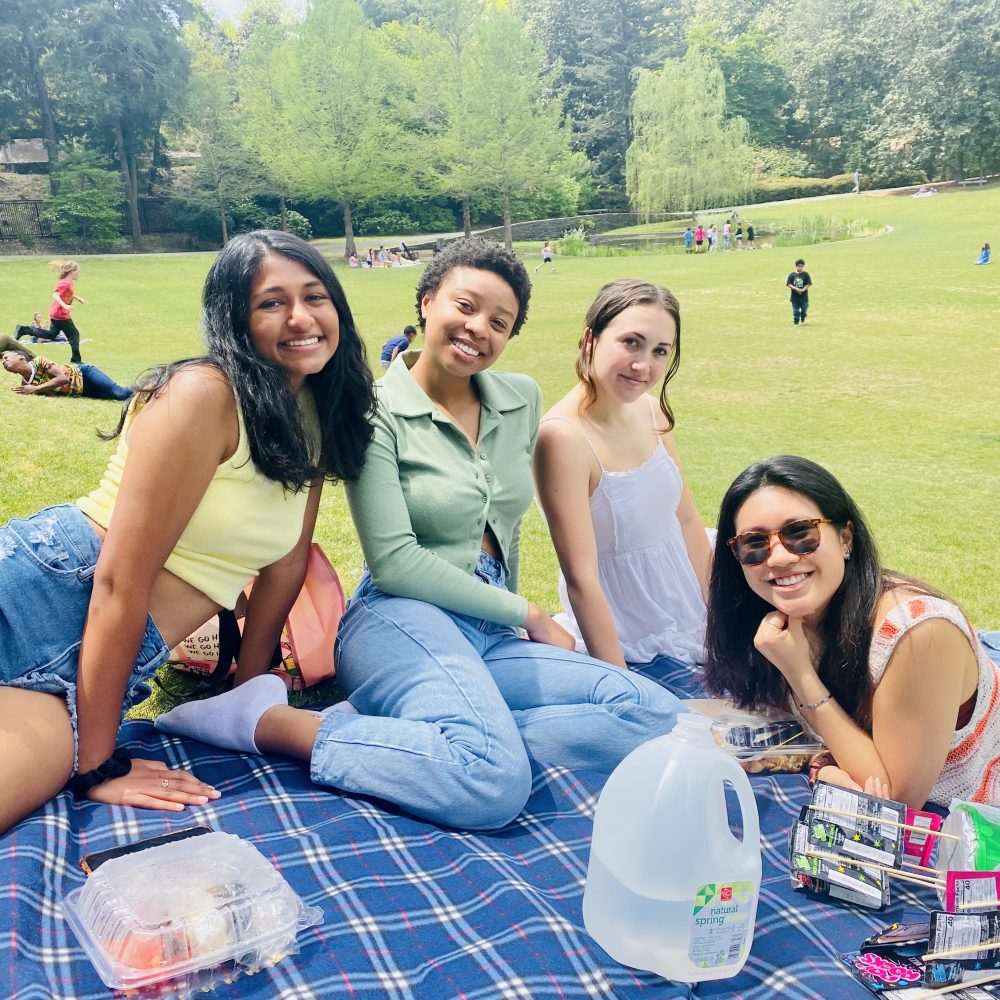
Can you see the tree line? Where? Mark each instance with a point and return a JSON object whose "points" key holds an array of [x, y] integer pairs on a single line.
{"points": [[496, 109]]}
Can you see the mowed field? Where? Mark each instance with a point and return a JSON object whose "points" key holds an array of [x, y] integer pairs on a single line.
{"points": [[892, 383]]}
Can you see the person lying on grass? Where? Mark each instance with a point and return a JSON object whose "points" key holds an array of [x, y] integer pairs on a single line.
{"points": [[39, 376]]}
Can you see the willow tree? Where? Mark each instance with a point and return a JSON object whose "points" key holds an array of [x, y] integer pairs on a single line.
{"points": [[686, 153]]}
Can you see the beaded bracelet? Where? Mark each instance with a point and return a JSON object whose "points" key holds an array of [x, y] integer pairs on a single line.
{"points": [[118, 764]]}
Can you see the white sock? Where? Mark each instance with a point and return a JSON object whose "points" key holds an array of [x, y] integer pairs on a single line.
{"points": [[228, 720], [340, 706]]}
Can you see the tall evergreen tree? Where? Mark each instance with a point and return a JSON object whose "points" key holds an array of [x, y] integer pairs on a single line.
{"points": [[757, 87], [133, 53], [596, 47], [27, 32]]}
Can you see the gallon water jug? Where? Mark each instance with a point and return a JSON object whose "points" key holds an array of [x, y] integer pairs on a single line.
{"points": [[670, 889]]}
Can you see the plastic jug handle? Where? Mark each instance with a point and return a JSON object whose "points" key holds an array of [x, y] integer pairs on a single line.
{"points": [[721, 772]]}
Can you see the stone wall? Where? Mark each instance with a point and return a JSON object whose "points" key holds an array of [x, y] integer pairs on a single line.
{"points": [[554, 229]]}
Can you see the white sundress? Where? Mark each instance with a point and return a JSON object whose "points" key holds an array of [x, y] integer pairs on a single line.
{"points": [[642, 562]]}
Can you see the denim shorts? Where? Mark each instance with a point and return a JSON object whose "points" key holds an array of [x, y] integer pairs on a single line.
{"points": [[47, 564]]}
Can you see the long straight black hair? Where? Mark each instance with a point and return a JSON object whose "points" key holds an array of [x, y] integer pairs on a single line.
{"points": [[343, 389], [733, 666]]}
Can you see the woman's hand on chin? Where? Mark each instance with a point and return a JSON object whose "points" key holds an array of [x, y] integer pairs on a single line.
{"points": [[784, 642], [152, 785], [543, 628]]}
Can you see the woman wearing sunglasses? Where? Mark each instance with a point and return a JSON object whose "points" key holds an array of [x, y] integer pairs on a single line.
{"points": [[885, 669]]}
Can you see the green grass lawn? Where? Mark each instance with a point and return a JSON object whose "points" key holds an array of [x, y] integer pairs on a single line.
{"points": [[892, 383]]}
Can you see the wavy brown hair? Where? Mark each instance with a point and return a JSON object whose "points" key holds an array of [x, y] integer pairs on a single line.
{"points": [[612, 300]]}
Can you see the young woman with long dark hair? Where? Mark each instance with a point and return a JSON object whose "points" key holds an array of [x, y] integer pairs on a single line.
{"points": [[802, 615], [217, 477]]}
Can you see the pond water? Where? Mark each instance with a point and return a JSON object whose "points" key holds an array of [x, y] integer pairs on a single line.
{"points": [[657, 242]]}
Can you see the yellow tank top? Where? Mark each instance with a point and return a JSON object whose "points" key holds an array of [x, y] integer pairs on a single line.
{"points": [[244, 522]]}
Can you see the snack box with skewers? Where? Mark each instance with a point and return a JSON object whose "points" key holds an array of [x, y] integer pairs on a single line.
{"points": [[825, 872]]}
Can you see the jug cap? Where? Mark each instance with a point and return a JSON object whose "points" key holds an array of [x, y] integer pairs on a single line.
{"points": [[693, 724]]}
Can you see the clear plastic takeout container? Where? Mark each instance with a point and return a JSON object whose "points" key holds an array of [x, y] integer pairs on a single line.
{"points": [[170, 913], [766, 744]]}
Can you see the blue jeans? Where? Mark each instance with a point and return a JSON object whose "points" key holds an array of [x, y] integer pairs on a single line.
{"points": [[47, 564], [455, 710], [800, 306], [100, 385], [991, 643], [686, 680]]}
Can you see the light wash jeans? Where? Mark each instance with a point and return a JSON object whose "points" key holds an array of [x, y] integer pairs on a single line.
{"points": [[454, 710], [991, 643]]}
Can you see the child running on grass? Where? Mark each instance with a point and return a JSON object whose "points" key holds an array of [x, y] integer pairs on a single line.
{"points": [[63, 299]]}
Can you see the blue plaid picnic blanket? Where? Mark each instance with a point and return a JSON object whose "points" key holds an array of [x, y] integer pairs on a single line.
{"points": [[413, 911]]}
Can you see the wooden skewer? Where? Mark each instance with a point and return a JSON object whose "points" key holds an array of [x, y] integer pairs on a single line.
{"points": [[884, 822], [982, 902], [794, 736], [955, 987], [923, 868], [965, 950], [888, 869]]}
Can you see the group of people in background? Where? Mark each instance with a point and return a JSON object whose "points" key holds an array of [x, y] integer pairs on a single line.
{"points": [[702, 240], [41, 376], [456, 685], [384, 257]]}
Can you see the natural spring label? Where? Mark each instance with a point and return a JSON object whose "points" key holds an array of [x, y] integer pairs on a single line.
{"points": [[720, 925]]}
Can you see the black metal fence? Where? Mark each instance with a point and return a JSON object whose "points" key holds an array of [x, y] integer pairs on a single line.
{"points": [[23, 219]]}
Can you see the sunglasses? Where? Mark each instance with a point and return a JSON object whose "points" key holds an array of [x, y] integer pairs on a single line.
{"points": [[751, 548]]}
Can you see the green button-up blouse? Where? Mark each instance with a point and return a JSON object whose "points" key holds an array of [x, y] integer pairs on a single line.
{"points": [[426, 495]]}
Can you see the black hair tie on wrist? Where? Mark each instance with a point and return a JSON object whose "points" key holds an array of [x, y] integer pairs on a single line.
{"points": [[118, 764]]}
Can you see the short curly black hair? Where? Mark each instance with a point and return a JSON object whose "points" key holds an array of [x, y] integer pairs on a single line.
{"points": [[482, 255]]}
